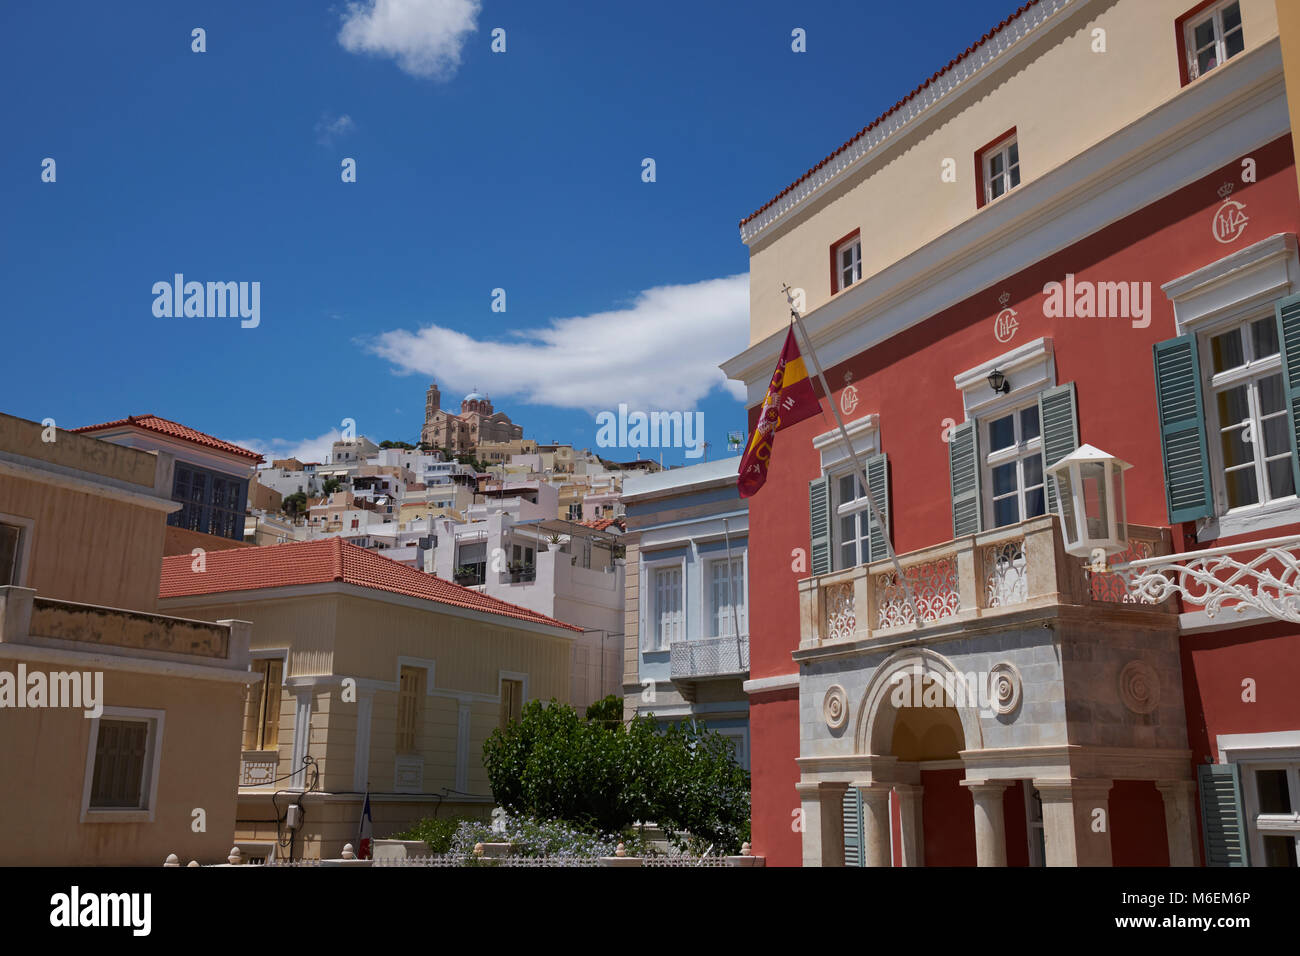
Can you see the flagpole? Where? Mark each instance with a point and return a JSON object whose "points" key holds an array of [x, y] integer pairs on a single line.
{"points": [[811, 353]]}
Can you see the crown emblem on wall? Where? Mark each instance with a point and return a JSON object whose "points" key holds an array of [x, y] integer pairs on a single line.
{"points": [[1226, 190], [848, 377], [1004, 298]]}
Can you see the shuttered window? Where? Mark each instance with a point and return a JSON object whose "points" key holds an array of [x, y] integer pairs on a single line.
{"points": [[727, 597], [1013, 461], [669, 619], [121, 752], [964, 475], [1182, 429], [1060, 422], [853, 855], [512, 701], [1221, 816], [410, 704], [819, 526], [262, 712]]}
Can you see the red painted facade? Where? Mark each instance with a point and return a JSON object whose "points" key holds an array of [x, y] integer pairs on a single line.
{"points": [[908, 381]]}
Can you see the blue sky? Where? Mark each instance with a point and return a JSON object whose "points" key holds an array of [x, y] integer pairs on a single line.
{"points": [[476, 171]]}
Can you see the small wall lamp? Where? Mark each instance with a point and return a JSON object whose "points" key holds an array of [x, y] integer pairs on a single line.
{"points": [[998, 382]]}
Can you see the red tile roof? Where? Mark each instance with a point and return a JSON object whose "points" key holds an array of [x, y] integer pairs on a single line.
{"points": [[163, 426], [600, 524], [893, 109], [320, 562]]}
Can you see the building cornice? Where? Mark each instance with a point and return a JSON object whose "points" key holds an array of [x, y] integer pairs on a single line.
{"points": [[47, 473], [1153, 157]]}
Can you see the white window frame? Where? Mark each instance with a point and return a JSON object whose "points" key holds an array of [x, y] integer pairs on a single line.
{"points": [[1002, 149], [859, 510], [272, 653], [1018, 453], [1265, 751], [26, 532], [151, 765], [743, 616], [1221, 55], [1250, 373], [854, 269], [503, 676]]}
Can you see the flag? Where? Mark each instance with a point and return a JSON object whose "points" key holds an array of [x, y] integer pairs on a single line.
{"points": [[367, 830], [790, 399]]}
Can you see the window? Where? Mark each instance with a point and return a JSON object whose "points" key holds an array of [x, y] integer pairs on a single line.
{"points": [[846, 261], [1209, 37], [262, 711], [853, 522], [512, 701], [122, 765], [1253, 452], [11, 551], [727, 593], [410, 701], [1014, 467], [212, 503], [1000, 168], [1273, 792], [668, 618]]}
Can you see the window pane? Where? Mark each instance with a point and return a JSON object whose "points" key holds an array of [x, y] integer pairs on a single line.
{"points": [[1281, 479], [1263, 337], [848, 533], [1236, 450], [1274, 796], [1035, 502], [1015, 176], [1234, 43], [1004, 479], [848, 556], [1013, 152], [1234, 407], [996, 188], [1206, 60], [1231, 17], [1241, 488], [846, 489], [995, 165], [1279, 851], [1002, 433], [1204, 33], [1029, 423], [1226, 352], [1272, 398], [1006, 511], [1277, 436], [1033, 470]]}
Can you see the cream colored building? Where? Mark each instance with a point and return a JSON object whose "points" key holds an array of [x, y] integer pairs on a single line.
{"points": [[388, 679], [144, 772]]}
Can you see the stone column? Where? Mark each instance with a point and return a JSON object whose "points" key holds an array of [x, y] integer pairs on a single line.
{"points": [[1180, 821], [875, 825], [909, 804], [990, 824], [823, 822], [1074, 833]]}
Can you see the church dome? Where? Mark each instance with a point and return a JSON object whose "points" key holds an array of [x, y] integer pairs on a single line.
{"points": [[475, 397]]}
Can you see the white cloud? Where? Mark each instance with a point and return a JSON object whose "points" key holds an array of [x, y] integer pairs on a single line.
{"points": [[660, 352], [327, 130], [425, 37], [304, 449]]}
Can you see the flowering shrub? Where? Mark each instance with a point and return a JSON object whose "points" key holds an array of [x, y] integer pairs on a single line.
{"points": [[529, 836]]}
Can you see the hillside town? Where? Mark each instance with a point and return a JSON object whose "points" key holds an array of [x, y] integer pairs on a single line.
{"points": [[1002, 570]]}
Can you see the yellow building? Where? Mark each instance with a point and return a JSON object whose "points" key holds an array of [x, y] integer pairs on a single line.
{"points": [[117, 727], [378, 678]]}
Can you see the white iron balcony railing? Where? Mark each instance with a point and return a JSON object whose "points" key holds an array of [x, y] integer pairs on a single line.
{"points": [[1010, 569], [713, 657]]}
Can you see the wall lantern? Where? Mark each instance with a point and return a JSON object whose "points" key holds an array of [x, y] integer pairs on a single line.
{"points": [[998, 382], [1090, 502]]}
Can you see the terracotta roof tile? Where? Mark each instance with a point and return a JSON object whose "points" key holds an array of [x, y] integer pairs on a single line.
{"points": [[893, 109], [163, 426], [320, 562]]}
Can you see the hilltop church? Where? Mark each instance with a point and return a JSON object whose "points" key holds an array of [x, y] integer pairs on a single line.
{"points": [[461, 433]]}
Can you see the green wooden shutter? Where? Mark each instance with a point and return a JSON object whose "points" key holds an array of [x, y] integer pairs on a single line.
{"points": [[819, 524], [964, 471], [853, 827], [1059, 423], [1221, 817], [1288, 335], [1188, 491], [877, 467]]}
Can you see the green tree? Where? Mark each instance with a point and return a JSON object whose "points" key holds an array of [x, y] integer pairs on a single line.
{"points": [[330, 486], [553, 764], [606, 712], [294, 504]]}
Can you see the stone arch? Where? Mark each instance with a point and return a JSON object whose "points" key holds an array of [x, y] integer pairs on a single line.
{"points": [[873, 733]]}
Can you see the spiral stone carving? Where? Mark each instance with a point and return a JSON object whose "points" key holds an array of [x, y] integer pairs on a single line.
{"points": [[1139, 687], [1004, 687], [835, 708]]}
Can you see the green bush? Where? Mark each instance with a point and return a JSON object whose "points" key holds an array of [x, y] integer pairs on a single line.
{"points": [[437, 833], [554, 765], [607, 712]]}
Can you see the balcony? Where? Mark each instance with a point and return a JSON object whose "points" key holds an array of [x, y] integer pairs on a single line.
{"points": [[992, 574], [715, 657]]}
